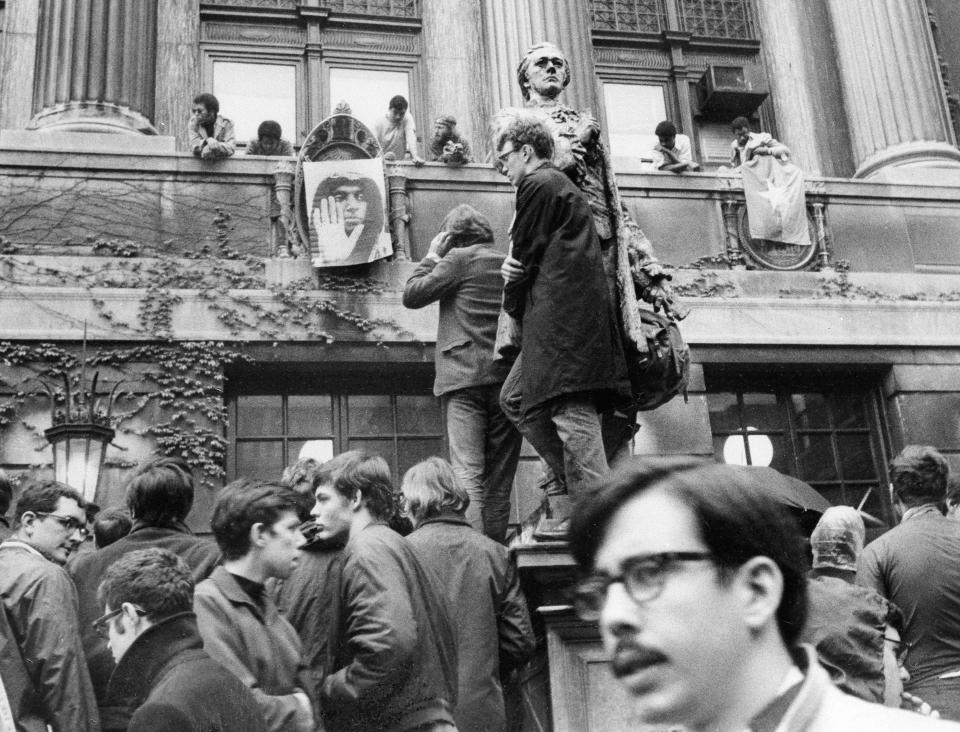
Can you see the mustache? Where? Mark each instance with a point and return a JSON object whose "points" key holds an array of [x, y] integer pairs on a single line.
{"points": [[629, 658]]}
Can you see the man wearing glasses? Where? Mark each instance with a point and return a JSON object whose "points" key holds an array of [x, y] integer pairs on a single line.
{"points": [[41, 657], [162, 669], [699, 586]]}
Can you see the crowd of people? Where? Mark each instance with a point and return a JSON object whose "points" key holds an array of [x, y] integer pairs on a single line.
{"points": [[308, 611]]}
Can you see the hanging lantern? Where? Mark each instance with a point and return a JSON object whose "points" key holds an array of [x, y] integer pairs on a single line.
{"points": [[79, 449]]}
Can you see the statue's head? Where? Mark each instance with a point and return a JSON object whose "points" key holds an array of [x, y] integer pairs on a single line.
{"points": [[545, 70]]}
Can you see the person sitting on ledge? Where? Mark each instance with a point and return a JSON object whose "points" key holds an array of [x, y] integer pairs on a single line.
{"points": [[448, 145], [269, 141], [211, 134], [747, 143], [673, 150]]}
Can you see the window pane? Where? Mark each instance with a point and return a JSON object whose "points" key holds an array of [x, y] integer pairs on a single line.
{"points": [[812, 411], [367, 91], [251, 93], [259, 415], [856, 457], [310, 415], [834, 493], [383, 448], [850, 411], [412, 452], [319, 450], [754, 449], [724, 412], [633, 112], [419, 415], [815, 455], [262, 459], [762, 412], [370, 414]]}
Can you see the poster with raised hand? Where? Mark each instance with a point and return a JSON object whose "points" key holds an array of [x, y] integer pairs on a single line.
{"points": [[347, 212]]}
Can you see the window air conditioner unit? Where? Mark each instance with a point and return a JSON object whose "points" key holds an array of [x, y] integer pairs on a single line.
{"points": [[729, 91]]}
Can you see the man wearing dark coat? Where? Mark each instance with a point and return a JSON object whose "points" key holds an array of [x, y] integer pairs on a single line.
{"points": [[462, 272], [494, 635], [162, 668], [159, 495], [556, 289], [41, 657], [394, 652]]}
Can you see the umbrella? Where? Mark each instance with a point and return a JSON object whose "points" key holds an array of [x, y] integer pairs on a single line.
{"points": [[792, 492]]}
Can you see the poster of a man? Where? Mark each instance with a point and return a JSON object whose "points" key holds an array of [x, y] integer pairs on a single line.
{"points": [[347, 212]]}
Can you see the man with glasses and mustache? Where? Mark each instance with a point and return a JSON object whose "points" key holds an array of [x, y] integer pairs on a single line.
{"points": [[698, 582], [41, 656]]}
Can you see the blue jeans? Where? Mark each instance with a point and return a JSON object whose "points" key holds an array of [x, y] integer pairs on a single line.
{"points": [[484, 450], [565, 431]]}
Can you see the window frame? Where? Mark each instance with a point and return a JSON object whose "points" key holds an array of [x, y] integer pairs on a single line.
{"points": [[278, 57], [784, 386]]}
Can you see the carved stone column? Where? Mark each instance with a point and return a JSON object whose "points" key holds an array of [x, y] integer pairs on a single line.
{"points": [[95, 66], [178, 68], [512, 26], [895, 103], [793, 88], [17, 63], [399, 214], [455, 79]]}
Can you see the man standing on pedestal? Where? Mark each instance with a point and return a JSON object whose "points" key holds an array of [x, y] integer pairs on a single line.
{"points": [[462, 271], [568, 365]]}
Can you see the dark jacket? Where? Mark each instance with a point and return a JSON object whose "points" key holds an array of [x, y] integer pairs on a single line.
{"points": [[310, 599], [846, 624], [396, 660], [468, 284], [175, 686], [489, 611], [87, 570], [260, 648], [569, 341], [916, 566], [41, 658]]}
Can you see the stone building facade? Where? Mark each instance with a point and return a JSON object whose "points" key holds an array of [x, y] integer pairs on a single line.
{"points": [[822, 361]]}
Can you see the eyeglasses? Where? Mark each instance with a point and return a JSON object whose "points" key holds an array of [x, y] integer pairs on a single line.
{"points": [[642, 576], [903, 648], [502, 158], [101, 625], [68, 522]]}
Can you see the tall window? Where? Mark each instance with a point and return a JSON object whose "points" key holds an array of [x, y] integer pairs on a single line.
{"points": [[825, 434], [270, 431], [669, 45], [633, 112], [249, 93], [367, 91]]}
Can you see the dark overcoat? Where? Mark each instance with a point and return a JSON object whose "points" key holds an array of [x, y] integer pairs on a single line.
{"points": [[569, 335], [174, 686], [396, 660], [87, 571], [489, 610]]}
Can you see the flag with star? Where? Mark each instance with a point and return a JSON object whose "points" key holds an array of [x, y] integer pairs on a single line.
{"points": [[776, 206]]}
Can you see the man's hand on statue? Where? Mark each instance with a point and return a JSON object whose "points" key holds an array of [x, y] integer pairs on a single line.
{"points": [[512, 270], [331, 235], [661, 297], [440, 244]]}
